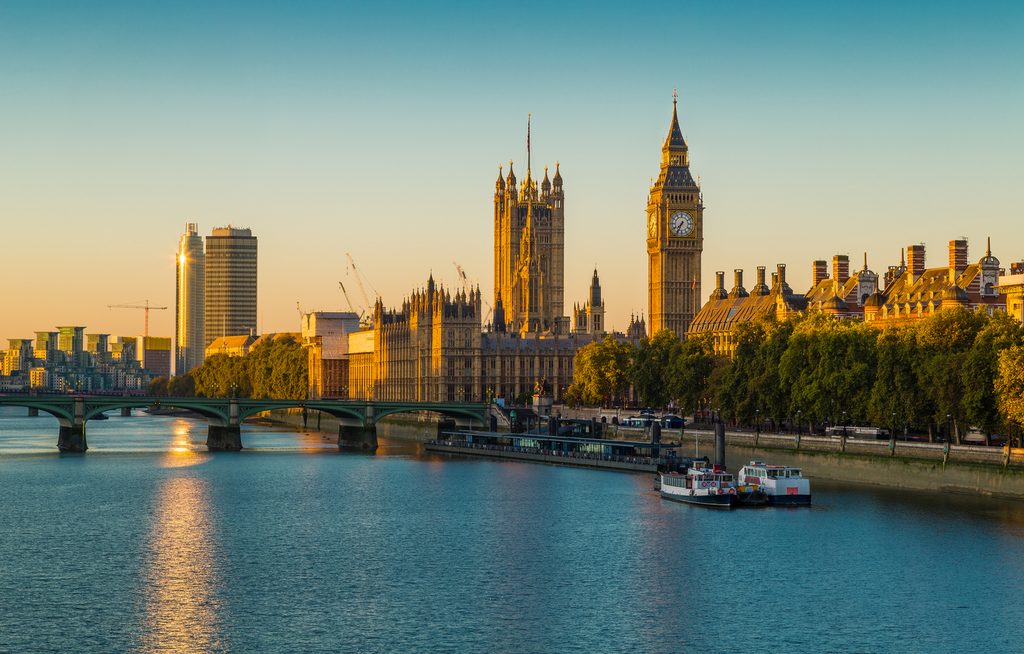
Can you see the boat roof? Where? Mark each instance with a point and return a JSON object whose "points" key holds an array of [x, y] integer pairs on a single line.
{"points": [[762, 464]]}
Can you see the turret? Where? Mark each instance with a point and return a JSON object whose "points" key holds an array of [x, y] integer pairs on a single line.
{"points": [[545, 185], [557, 181], [510, 181], [867, 282], [989, 272], [835, 305]]}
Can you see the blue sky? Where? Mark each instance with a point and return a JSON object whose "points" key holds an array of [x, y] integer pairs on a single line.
{"points": [[377, 128]]}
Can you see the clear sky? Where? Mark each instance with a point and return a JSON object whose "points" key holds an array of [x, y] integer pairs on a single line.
{"points": [[376, 128]]}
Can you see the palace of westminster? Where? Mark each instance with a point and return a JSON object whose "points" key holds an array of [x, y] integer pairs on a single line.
{"points": [[438, 345]]}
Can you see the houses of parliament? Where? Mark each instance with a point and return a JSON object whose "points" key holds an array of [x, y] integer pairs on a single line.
{"points": [[440, 344]]}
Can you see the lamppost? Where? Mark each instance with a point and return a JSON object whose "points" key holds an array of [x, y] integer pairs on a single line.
{"points": [[799, 425], [844, 424], [757, 433], [949, 436], [892, 435]]}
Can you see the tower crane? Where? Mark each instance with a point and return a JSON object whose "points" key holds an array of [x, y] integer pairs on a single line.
{"points": [[462, 276], [146, 309], [466, 288], [359, 282], [349, 302]]}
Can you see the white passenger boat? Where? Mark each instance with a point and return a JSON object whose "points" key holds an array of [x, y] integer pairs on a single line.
{"points": [[780, 484], [702, 484]]}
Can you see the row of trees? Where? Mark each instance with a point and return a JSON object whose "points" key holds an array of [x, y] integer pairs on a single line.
{"points": [[276, 368], [956, 369]]}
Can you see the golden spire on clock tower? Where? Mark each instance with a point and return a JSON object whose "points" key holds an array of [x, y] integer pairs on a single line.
{"points": [[675, 236]]}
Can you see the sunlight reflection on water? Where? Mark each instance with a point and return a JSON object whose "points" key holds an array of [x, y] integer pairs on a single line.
{"points": [[180, 599]]}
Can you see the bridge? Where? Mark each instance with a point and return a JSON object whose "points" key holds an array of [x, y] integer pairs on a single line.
{"points": [[357, 419]]}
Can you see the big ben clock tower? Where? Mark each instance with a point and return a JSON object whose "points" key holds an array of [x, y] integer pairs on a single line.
{"points": [[675, 238]]}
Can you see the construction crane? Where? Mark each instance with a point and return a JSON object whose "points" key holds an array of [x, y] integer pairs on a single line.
{"points": [[145, 307], [359, 282], [349, 302], [462, 276], [466, 289]]}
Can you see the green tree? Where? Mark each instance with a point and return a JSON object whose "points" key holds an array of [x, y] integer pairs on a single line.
{"points": [[157, 387], [649, 369], [601, 372], [896, 395], [1009, 385], [943, 342], [981, 368], [690, 370]]}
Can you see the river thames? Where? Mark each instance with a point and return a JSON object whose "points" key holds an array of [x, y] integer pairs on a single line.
{"points": [[148, 543]]}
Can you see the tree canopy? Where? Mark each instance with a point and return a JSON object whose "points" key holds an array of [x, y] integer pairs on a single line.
{"points": [[277, 368], [957, 370]]}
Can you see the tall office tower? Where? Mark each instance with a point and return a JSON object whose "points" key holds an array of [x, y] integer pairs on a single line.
{"points": [[230, 283], [675, 238], [189, 303]]}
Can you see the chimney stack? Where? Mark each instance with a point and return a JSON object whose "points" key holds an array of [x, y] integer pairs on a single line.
{"points": [[737, 289], [957, 258], [760, 288], [780, 273], [719, 292], [840, 268], [915, 260], [819, 272]]}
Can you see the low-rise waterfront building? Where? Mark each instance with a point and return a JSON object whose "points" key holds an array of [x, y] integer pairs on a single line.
{"points": [[1011, 287], [911, 291], [325, 335]]}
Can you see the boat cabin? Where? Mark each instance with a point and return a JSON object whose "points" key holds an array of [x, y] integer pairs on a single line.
{"points": [[756, 472]]}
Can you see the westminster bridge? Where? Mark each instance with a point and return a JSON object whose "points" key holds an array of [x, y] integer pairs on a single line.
{"points": [[357, 419]]}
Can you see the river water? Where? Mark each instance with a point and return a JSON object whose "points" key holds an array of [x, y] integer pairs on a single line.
{"points": [[148, 543]]}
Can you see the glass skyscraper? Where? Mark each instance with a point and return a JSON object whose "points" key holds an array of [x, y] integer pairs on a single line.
{"points": [[190, 301]]}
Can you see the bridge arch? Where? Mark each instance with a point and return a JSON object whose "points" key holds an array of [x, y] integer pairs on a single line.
{"points": [[63, 416], [249, 408], [204, 408]]}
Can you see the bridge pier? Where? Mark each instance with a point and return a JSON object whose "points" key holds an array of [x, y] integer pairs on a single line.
{"points": [[72, 438], [33, 412], [126, 412], [357, 437], [224, 438]]}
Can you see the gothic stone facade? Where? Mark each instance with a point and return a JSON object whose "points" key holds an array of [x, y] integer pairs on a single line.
{"points": [[675, 238]]}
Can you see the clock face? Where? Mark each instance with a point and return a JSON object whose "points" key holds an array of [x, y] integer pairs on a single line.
{"points": [[681, 223], [652, 226]]}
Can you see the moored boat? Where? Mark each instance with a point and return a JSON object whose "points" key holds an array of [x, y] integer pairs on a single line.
{"points": [[782, 485], [701, 484]]}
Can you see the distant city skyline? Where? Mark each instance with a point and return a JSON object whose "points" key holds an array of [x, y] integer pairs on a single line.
{"points": [[816, 130]]}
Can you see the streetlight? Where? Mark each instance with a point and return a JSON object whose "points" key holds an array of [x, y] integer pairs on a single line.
{"points": [[949, 437], [893, 425], [757, 417], [799, 425], [844, 424]]}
